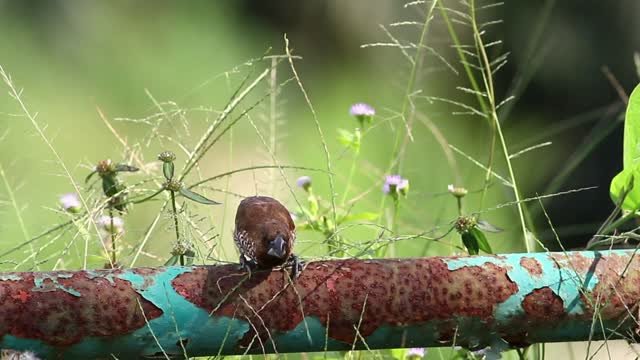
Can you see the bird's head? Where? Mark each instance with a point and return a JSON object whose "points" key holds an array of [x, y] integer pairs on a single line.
{"points": [[276, 239]]}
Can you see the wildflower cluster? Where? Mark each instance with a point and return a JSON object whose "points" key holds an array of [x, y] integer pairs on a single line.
{"points": [[111, 227], [315, 216]]}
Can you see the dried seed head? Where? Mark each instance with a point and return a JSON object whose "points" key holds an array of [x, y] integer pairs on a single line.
{"points": [[167, 156], [105, 167], [173, 185], [465, 223]]}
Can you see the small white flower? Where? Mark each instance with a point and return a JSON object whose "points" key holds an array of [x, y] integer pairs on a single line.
{"points": [[113, 225], [457, 191], [415, 353], [70, 202], [304, 182]]}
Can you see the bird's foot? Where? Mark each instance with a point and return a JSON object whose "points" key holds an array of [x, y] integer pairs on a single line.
{"points": [[296, 265], [248, 265]]}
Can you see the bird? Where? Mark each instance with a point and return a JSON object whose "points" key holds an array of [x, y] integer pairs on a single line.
{"points": [[264, 235]]}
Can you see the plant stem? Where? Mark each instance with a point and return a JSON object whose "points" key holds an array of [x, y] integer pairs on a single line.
{"points": [[488, 83], [394, 224], [618, 222], [394, 221], [113, 239], [396, 162], [351, 171], [481, 101], [175, 222]]}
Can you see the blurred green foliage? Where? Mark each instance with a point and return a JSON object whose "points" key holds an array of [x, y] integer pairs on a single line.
{"points": [[129, 60]]}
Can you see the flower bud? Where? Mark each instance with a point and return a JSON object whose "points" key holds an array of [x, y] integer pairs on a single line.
{"points": [[166, 156], [70, 203], [458, 192], [304, 182]]}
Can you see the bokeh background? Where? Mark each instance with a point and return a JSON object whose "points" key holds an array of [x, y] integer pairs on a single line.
{"points": [[570, 66]]}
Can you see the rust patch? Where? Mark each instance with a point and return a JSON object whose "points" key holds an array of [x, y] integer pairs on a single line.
{"points": [[616, 277], [543, 304], [397, 293], [531, 265], [617, 288], [69, 306]]}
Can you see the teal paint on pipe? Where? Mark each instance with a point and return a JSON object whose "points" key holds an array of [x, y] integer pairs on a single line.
{"points": [[40, 283], [564, 281], [481, 300], [182, 320]]}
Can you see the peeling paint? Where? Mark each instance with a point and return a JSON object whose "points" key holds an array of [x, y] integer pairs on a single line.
{"points": [[61, 309], [10, 277], [397, 293], [480, 300]]}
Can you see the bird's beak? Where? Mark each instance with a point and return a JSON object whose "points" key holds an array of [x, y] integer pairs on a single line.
{"points": [[276, 247]]}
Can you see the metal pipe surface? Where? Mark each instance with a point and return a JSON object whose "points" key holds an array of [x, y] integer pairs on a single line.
{"points": [[334, 305]]}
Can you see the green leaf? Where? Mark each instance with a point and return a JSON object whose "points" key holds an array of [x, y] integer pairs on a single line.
{"points": [[484, 225], [109, 186], [189, 257], [125, 168], [146, 198], [481, 239], [92, 259], [172, 260], [304, 226], [631, 149], [626, 184], [197, 197], [398, 353], [119, 202], [168, 170], [349, 139], [327, 223], [90, 176], [364, 216], [469, 241], [314, 206]]}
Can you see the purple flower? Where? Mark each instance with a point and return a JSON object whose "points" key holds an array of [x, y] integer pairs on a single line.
{"points": [[105, 222], [304, 182], [362, 109], [363, 112], [395, 184], [415, 353], [70, 203]]}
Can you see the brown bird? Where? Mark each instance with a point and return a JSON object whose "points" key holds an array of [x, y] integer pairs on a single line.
{"points": [[265, 234]]}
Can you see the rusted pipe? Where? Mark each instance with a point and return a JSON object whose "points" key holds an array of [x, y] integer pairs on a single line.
{"points": [[333, 305]]}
